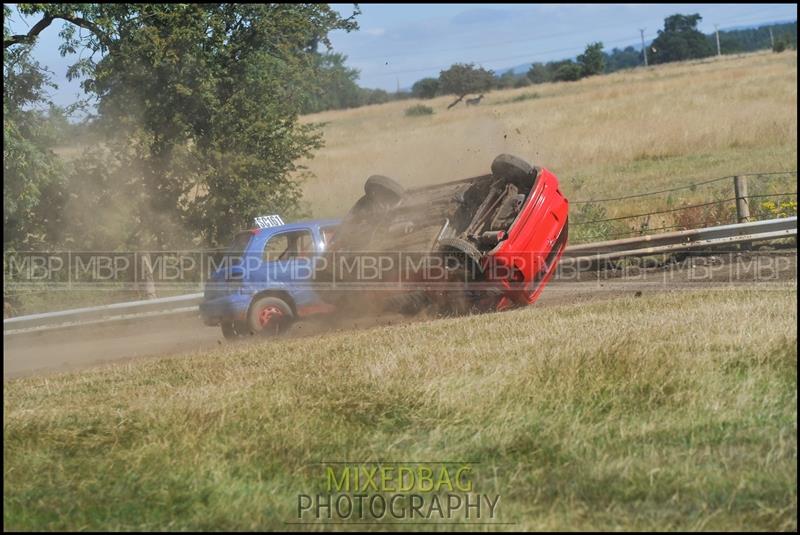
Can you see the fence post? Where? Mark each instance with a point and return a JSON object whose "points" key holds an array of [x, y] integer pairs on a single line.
{"points": [[742, 206]]}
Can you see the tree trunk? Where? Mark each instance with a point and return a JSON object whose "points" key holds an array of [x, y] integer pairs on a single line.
{"points": [[147, 274], [456, 101]]}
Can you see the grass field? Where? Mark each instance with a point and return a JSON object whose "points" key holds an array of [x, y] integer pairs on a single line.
{"points": [[604, 136], [669, 411]]}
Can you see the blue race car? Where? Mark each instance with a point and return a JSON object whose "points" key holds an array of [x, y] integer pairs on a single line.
{"points": [[262, 285]]}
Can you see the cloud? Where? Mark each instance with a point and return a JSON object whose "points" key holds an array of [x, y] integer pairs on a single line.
{"points": [[375, 32]]}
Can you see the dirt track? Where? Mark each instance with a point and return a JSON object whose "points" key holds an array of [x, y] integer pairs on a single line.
{"points": [[77, 348]]}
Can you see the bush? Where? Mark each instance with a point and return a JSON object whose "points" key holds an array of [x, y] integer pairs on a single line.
{"points": [[418, 110], [569, 72], [520, 98], [525, 96], [721, 213]]}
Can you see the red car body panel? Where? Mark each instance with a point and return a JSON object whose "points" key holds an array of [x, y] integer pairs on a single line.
{"points": [[529, 247]]}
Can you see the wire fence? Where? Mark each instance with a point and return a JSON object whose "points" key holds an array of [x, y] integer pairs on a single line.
{"points": [[712, 212], [692, 185], [680, 208]]}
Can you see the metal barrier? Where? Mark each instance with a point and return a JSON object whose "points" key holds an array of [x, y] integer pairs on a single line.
{"points": [[640, 246], [686, 240], [118, 311]]}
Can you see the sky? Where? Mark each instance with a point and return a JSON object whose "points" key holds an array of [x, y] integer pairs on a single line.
{"points": [[406, 42], [398, 44]]}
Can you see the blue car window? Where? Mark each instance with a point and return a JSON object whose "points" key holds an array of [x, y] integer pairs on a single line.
{"points": [[288, 245]]}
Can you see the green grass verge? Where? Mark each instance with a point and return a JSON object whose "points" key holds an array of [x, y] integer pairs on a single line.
{"points": [[670, 411]]}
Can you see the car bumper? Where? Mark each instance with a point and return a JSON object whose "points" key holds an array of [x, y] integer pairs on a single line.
{"points": [[231, 307]]}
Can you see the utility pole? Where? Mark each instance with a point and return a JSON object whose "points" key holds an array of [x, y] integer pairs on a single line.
{"points": [[716, 30], [644, 50], [771, 39]]}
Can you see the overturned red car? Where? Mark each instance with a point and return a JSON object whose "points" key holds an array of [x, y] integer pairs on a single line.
{"points": [[485, 243]]}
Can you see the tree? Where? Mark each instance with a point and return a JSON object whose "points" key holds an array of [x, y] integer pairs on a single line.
{"points": [[199, 105], [29, 164], [507, 80], [425, 88], [592, 61], [568, 71], [336, 86], [539, 73], [680, 40], [750, 39], [627, 58], [375, 96], [463, 79]]}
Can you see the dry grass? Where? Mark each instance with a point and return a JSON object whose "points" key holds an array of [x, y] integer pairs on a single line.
{"points": [[671, 411], [625, 132]]}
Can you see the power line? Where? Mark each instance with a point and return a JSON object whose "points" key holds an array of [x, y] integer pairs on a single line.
{"points": [[520, 56], [746, 15], [471, 47], [429, 51]]}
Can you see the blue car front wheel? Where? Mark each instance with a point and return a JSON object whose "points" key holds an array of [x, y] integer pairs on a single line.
{"points": [[269, 316]]}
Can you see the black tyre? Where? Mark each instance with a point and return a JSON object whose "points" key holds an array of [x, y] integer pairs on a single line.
{"points": [[269, 316], [229, 330], [462, 249], [384, 190], [362, 208], [514, 170], [232, 330], [463, 262]]}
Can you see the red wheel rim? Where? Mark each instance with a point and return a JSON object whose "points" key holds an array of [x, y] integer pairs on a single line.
{"points": [[270, 315]]}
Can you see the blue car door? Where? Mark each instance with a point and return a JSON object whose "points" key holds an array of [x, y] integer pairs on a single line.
{"points": [[287, 262]]}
